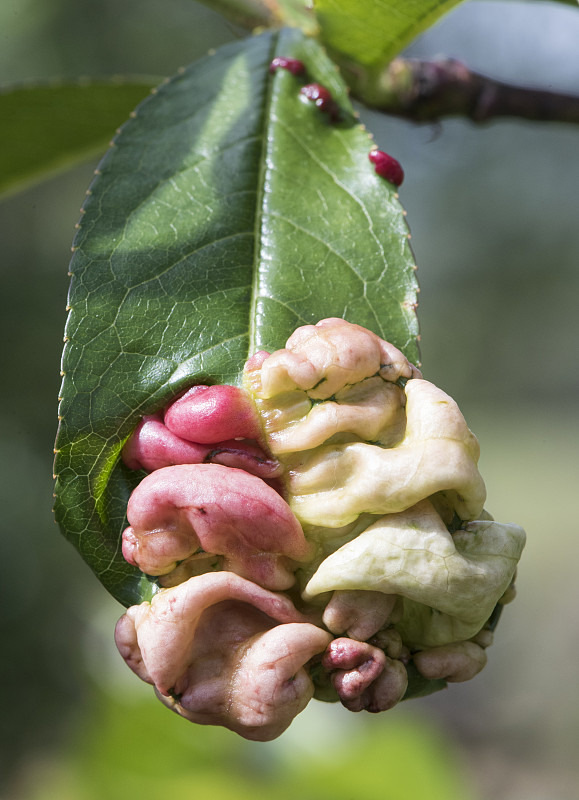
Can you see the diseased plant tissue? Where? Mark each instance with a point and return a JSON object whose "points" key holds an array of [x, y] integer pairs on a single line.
{"points": [[317, 533], [316, 530]]}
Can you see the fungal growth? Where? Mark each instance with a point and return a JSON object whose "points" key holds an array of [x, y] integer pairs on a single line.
{"points": [[178, 512], [318, 533]]}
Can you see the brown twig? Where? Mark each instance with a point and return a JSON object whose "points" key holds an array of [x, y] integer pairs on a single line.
{"points": [[426, 91]]}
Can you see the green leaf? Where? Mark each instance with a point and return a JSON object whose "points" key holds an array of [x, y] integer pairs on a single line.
{"points": [[228, 212], [47, 128], [372, 32]]}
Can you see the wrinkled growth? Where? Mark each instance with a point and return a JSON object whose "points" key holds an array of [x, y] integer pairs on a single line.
{"points": [[318, 533], [178, 512], [220, 650], [412, 555]]}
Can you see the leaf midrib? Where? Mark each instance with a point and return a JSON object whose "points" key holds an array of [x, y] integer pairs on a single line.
{"points": [[259, 202]]}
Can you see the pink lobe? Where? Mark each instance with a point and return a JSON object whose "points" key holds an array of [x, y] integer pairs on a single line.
{"points": [[208, 414], [175, 511], [213, 651], [363, 676], [153, 446]]}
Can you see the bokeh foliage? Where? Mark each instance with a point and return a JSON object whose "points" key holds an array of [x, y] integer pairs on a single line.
{"points": [[213, 762]]}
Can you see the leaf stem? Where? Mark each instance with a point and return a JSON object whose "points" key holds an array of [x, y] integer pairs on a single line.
{"points": [[251, 14], [246, 13]]}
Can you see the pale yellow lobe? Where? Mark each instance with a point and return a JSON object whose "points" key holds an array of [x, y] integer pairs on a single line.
{"points": [[450, 583]]}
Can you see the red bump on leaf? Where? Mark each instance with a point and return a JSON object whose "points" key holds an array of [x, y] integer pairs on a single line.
{"points": [[317, 93], [387, 167], [322, 98], [293, 65]]}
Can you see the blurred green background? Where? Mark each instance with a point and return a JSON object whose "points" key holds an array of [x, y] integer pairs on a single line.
{"points": [[495, 222]]}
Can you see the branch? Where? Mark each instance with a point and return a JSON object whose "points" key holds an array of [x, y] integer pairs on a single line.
{"points": [[425, 91]]}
